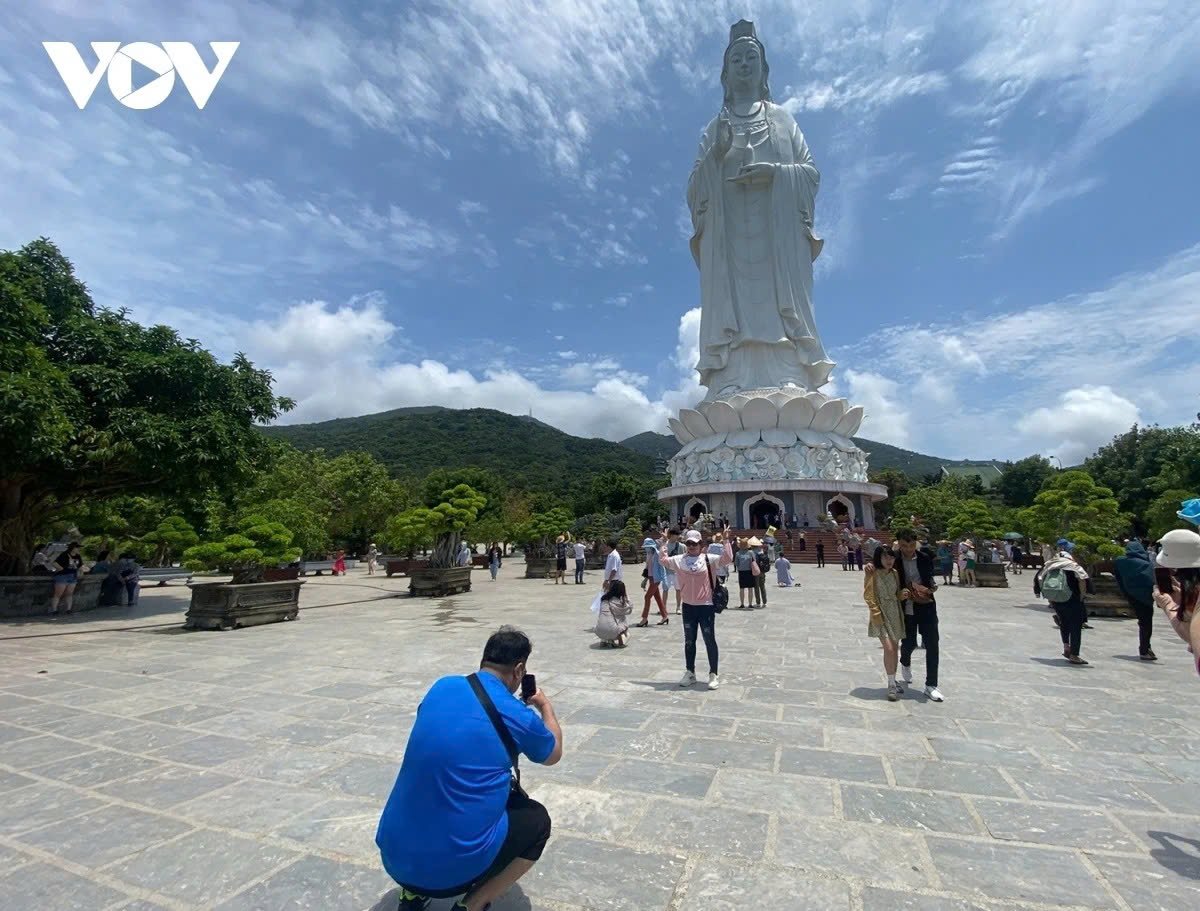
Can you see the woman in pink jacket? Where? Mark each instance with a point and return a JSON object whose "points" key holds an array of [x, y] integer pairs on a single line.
{"points": [[696, 571], [1177, 586]]}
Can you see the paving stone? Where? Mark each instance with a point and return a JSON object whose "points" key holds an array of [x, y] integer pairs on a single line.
{"points": [[10, 733], [690, 725], [314, 884], [884, 743], [385, 742], [1055, 787], [93, 769], [581, 872], [704, 827], [830, 764], [724, 886], [994, 870], [87, 725], [203, 867], [611, 716], [342, 825], [10, 781], [39, 805], [727, 754], [166, 786], [36, 751], [645, 777], [606, 814], [953, 750], [206, 750], [784, 794], [249, 806], [957, 777], [876, 899], [105, 835], [875, 854], [908, 809], [143, 738], [1047, 825], [343, 691], [781, 732], [647, 745], [1179, 800], [184, 714], [360, 776], [1167, 881], [39, 885], [1152, 830]]}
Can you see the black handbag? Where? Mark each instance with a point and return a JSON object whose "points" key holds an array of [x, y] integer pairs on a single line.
{"points": [[720, 594], [510, 745]]}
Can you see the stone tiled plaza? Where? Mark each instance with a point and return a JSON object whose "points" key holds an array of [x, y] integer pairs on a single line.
{"points": [[146, 768]]}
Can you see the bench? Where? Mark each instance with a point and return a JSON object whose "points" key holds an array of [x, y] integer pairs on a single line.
{"points": [[161, 575]]}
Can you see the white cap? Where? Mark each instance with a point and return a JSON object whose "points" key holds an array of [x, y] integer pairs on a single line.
{"points": [[1180, 550], [693, 536]]}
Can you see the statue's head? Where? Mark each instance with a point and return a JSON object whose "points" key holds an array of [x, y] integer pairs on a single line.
{"points": [[745, 67]]}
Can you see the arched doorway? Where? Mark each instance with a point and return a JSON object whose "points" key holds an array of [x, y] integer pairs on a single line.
{"points": [[695, 508], [760, 510], [841, 509]]}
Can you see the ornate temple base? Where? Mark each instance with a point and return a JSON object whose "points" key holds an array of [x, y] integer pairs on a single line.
{"points": [[771, 451]]}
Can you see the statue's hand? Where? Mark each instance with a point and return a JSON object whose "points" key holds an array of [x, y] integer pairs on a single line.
{"points": [[763, 172], [724, 140]]}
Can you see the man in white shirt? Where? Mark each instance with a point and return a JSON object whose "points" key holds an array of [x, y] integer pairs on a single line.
{"points": [[613, 567], [580, 560]]}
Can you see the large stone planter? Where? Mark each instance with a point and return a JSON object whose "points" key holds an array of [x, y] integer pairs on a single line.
{"points": [[541, 567], [402, 566], [281, 573], [1107, 600], [223, 605], [991, 575], [438, 583], [29, 596]]}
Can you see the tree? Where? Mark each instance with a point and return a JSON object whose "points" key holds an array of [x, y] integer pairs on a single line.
{"points": [[1072, 505], [256, 545], [407, 532], [1142, 464], [93, 404], [1023, 479], [974, 520], [172, 536], [897, 484], [443, 524], [487, 484], [934, 506], [1162, 515], [539, 534]]}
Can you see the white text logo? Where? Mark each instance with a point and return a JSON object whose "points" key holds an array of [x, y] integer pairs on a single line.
{"points": [[164, 61]]}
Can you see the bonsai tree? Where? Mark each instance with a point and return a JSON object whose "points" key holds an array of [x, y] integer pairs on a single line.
{"points": [[976, 521], [256, 545], [540, 533], [173, 536], [407, 533], [444, 524], [1072, 505]]}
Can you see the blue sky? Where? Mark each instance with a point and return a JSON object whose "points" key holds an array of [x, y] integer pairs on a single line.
{"points": [[482, 203]]}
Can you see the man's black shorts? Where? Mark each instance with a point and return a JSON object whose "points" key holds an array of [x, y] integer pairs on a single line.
{"points": [[562, 564], [528, 832]]}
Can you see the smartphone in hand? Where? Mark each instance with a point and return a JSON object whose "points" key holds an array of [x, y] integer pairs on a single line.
{"points": [[528, 687]]}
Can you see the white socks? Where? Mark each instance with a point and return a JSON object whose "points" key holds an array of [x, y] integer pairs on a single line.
{"points": [[891, 679]]}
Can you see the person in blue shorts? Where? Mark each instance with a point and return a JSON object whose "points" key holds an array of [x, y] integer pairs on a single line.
{"points": [[457, 822]]}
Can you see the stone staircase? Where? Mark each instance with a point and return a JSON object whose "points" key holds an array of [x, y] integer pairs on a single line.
{"points": [[811, 537]]}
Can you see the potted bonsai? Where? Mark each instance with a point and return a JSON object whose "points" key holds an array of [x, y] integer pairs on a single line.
{"points": [[443, 525], [247, 600], [976, 521], [539, 537]]}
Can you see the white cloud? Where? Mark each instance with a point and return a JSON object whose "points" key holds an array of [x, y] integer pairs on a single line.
{"points": [[887, 419], [1082, 420]]}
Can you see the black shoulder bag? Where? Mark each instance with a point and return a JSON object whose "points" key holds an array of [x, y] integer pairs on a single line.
{"points": [[720, 595], [510, 745]]}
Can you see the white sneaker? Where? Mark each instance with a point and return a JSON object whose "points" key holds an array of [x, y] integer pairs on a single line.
{"points": [[905, 675], [688, 679], [714, 681], [934, 694]]}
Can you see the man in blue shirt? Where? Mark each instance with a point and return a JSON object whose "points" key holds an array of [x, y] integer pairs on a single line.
{"points": [[454, 824]]}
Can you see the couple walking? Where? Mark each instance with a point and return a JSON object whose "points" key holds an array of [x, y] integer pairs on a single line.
{"points": [[899, 589]]}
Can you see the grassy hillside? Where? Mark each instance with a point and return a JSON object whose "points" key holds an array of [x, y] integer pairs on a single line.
{"points": [[883, 455], [413, 441]]}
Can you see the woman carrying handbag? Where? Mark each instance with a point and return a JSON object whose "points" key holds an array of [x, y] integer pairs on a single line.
{"points": [[703, 599]]}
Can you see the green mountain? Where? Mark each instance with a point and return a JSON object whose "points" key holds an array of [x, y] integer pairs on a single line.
{"points": [[523, 450], [914, 464]]}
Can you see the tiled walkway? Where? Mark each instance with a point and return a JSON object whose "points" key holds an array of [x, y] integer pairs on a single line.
{"points": [[151, 768]]}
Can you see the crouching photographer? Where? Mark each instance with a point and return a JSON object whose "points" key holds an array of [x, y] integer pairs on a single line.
{"points": [[458, 821]]}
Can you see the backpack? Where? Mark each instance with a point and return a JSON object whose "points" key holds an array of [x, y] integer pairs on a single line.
{"points": [[1056, 587]]}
